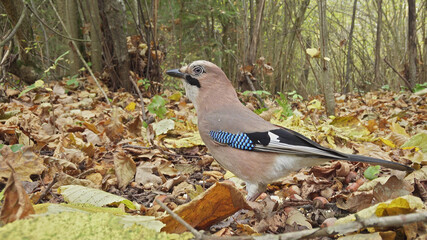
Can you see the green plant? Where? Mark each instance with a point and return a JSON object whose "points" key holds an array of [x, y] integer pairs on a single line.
{"points": [[294, 95], [157, 106], [15, 147], [37, 84], [372, 172], [386, 87], [55, 63], [145, 83], [420, 86], [282, 101], [259, 111], [258, 92], [73, 81]]}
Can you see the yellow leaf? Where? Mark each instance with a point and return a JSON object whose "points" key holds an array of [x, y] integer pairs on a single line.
{"points": [[396, 128], [39, 83], [176, 96], [388, 142], [313, 52], [130, 107], [186, 141], [400, 205], [314, 104], [327, 59], [419, 141]]}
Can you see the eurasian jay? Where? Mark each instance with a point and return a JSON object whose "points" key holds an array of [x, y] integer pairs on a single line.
{"points": [[255, 150]]}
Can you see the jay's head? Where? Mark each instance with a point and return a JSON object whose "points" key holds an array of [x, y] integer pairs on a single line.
{"points": [[203, 80]]}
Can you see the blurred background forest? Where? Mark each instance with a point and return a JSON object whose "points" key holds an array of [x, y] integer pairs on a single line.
{"points": [[273, 45]]}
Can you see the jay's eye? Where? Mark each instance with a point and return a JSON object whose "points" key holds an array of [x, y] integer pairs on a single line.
{"points": [[198, 70]]}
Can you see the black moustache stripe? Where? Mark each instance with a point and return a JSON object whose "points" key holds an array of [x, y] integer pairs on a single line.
{"points": [[192, 81]]}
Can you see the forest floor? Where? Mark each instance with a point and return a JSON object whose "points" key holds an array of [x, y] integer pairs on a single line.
{"points": [[71, 151]]}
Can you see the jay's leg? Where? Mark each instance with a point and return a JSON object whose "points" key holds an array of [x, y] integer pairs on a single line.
{"points": [[254, 190]]}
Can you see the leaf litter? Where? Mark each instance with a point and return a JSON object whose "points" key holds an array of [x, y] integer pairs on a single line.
{"points": [[74, 134]]}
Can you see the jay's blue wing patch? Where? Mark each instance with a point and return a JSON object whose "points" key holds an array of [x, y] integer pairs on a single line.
{"points": [[239, 140]]}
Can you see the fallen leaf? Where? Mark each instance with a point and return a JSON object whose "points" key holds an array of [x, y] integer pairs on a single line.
{"points": [[362, 236], [356, 201], [391, 189], [95, 197], [214, 205], [163, 126], [401, 205], [182, 188], [419, 140], [16, 204], [124, 167], [144, 176], [25, 162], [296, 217]]}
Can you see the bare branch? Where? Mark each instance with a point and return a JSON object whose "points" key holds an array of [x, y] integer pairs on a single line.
{"points": [[15, 29], [400, 75]]}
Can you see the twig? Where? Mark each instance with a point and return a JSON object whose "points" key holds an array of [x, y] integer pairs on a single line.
{"points": [[15, 29], [76, 48], [53, 30], [144, 116], [197, 234], [44, 193], [408, 85], [251, 85], [389, 221]]}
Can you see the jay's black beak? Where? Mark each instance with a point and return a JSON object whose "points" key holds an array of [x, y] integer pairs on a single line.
{"points": [[175, 73]]}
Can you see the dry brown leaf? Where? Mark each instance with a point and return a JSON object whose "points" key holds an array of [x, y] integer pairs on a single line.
{"points": [[217, 203], [96, 178], [25, 162], [144, 176], [16, 204], [356, 201], [393, 188], [115, 129], [65, 179], [167, 168], [215, 174], [314, 185], [296, 217], [182, 188], [173, 182], [125, 168]]}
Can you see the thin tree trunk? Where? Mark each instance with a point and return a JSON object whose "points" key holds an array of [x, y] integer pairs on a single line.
{"points": [[412, 47], [303, 86], [328, 85], [252, 48], [378, 80], [71, 22], [95, 36], [349, 53], [114, 11], [255, 33], [424, 60]]}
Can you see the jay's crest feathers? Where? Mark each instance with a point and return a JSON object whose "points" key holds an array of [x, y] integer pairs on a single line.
{"points": [[253, 149]]}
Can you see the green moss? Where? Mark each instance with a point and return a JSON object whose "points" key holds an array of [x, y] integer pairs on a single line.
{"points": [[75, 225]]}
